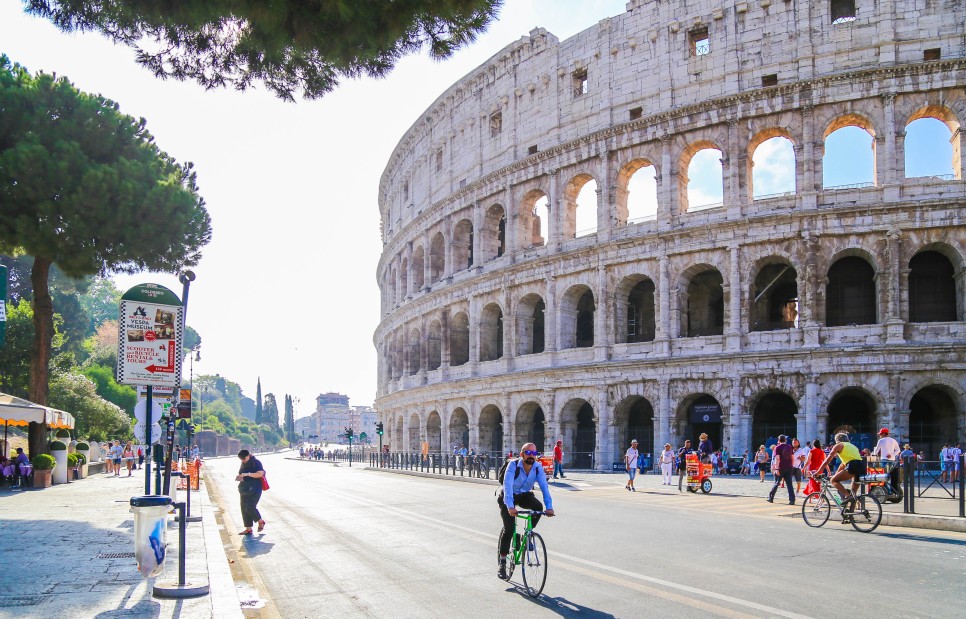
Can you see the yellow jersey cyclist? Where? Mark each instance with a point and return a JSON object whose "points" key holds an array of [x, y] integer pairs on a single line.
{"points": [[853, 466]]}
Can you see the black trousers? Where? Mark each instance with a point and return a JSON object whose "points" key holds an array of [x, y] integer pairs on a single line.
{"points": [[521, 501], [249, 508], [788, 476]]}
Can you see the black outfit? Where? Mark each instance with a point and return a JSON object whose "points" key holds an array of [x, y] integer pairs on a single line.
{"points": [[250, 490], [682, 465], [526, 500], [786, 472], [705, 450]]}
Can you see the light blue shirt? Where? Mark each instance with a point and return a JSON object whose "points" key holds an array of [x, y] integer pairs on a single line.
{"points": [[514, 484]]}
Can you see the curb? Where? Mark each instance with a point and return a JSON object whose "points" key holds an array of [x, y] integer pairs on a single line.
{"points": [[222, 591]]}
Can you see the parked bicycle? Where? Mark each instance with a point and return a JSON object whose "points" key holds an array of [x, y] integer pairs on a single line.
{"points": [[529, 552], [863, 512]]}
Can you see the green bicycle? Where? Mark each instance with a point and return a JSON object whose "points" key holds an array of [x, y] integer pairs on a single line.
{"points": [[529, 552], [863, 512]]}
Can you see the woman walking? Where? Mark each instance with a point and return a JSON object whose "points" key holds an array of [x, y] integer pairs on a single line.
{"points": [[249, 479], [667, 464], [761, 459], [128, 455]]}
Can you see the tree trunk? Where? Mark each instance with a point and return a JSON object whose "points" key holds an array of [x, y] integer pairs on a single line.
{"points": [[43, 331]]}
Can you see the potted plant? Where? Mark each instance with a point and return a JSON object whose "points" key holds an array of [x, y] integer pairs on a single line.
{"points": [[81, 465], [43, 469], [58, 449], [84, 449]]}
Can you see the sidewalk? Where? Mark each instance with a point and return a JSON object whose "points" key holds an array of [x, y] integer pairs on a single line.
{"points": [[68, 551], [933, 513]]}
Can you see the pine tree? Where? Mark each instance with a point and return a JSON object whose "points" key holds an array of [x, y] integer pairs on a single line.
{"points": [[258, 401], [289, 419], [270, 411]]}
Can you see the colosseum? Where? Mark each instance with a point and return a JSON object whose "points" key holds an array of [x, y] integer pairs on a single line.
{"points": [[504, 319]]}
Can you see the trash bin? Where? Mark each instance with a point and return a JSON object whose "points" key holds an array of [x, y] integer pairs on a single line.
{"points": [[150, 532]]}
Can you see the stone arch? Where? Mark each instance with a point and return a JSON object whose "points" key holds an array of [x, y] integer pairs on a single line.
{"points": [[634, 419], [578, 425], [637, 196], [493, 239], [684, 174], [855, 407], [531, 426], [531, 324], [459, 428], [490, 427], [636, 309], [773, 296], [437, 258], [415, 425], [418, 266], [404, 278], [575, 192], [398, 439], [946, 116], [459, 339], [535, 219], [576, 324], [413, 352], [491, 332], [700, 412], [851, 296], [702, 301], [770, 135], [434, 346], [434, 432], [773, 412], [462, 245], [936, 415], [837, 123]]}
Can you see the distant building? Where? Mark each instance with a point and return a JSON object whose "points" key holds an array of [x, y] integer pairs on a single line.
{"points": [[332, 416]]}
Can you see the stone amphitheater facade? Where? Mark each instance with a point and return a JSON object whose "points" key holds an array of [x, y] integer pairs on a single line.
{"points": [[795, 313]]}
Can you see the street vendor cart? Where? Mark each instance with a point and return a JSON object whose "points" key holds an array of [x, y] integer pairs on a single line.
{"points": [[699, 474]]}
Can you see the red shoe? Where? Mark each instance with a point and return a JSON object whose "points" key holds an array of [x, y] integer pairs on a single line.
{"points": [[261, 526], [246, 532]]}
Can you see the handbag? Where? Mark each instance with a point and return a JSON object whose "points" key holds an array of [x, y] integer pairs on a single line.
{"points": [[264, 482]]}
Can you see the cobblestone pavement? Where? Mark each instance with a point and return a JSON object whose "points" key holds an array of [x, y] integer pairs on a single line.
{"points": [[68, 551]]}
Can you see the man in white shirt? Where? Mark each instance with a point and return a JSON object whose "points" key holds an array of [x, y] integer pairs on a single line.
{"points": [[888, 449], [630, 463], [954, 455], [800, 454]]}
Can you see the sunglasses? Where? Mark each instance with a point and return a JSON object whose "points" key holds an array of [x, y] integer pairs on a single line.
{"points": [[530, 452]]}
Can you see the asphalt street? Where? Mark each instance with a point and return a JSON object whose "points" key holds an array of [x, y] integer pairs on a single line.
{"points": [[344, 541]]}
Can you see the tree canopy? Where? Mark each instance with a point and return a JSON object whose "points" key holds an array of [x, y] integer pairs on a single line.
{"points": [[291, 46]]}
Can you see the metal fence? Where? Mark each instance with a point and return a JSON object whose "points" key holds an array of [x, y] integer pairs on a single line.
{"points": [[482, 466], [929, 486]]}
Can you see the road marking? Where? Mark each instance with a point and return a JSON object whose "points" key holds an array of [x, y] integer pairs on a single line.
{"points": [[488, 538]]}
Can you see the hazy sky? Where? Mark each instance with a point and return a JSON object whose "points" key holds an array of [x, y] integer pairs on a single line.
{"points": [[286, 290]]}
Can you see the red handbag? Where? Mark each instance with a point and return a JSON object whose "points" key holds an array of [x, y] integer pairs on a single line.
{"points": [[264, 482]]}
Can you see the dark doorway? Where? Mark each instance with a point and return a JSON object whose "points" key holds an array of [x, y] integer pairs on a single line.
{"points": [[932, 288], [537, 433], [585, 320], [775, 299], [640, 426], [538, 318], [640, 312], [850, 296], [932, 421], [705, 307], [586, 439], [852, 411], [774, 414], [704, 416]]}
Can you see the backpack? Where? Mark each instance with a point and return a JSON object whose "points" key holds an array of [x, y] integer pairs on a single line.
{"points": [[502, 474]]}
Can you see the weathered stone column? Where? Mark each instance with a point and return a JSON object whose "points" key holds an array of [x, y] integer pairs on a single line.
{"points": [[888, 172], [604, 309], [667, 201], [551, 339], [512, 211], [811, 161], [733, 337], [477, 234], [663, 326], [664, 434], [731, 429], [551, 419], [606, 443], [731, 170], [556, 214], [606, 207], [895, 327], [808, 298], [448, 247], [811, 408]]}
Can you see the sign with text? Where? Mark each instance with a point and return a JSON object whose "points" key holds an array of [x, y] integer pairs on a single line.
{"points": [[149, 337], [162, 396]]}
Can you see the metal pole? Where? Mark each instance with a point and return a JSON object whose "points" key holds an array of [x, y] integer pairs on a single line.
{"points": [[962, 486], [147, 439], [182, 535]]}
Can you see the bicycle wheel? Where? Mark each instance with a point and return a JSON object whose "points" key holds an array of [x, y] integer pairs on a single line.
{"points": [[867, 513], [534, 565], [879, 492], [816, 509], [509, 558]]}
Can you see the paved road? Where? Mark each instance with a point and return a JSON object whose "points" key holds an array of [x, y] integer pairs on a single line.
{"points": [[348, 541]]}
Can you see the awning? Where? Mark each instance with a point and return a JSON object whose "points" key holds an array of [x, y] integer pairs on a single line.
{"points": [[16, 411]]}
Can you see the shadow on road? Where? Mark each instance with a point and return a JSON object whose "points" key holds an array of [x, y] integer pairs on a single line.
{"points": [[254, 546], [562, 606], [923, 538]]}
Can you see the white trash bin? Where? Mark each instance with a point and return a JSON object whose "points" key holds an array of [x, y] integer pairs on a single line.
{"points": [[150, 532]]}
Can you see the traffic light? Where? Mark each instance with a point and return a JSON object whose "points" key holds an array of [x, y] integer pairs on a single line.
{"points": [[379, 428], [348, 433]]}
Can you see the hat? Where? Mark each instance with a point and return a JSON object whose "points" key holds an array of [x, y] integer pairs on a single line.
{"points": [[884, 431], [633, 441], [560, 442]]}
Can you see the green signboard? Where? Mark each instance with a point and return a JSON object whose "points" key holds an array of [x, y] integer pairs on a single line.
{"points": [[3, 304]]}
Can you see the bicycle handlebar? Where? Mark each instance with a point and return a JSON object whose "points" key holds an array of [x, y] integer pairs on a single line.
{"points": [[530, 512]]}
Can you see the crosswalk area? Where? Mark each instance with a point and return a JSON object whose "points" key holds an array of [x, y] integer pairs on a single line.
{"points": [[697, 502]]}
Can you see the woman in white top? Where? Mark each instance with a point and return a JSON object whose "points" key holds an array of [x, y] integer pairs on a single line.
{"points": [[667, 464]]}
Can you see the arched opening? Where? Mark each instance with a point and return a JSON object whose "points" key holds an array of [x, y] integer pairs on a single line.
{"points": [[414, 427], [535, 219], [701, 414], [418, 266], [579, 427], [773, 168], [491, 332], [434, 432], [640, 323], [530, 325], [577, 318], [391, 290], [705, 177], [634, 418], [704, 305], [459, 339], [932, 288], [413, 352], [774, 298], [929, 147], [437, 258], [398, 439], [774, 414], [932, 421], [849, 160], [459, 428], [531, 426], [434, 346], [853, 410], [463, 245], [637, 192], [580, 202], [493, 241], [850, 296], [491, 430], [585, 320]]}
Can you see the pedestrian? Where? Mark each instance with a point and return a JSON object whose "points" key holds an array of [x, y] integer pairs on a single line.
{"points": [[140, 456], [761, 459], [955, 455], [558, 460], [667, 464], [724, 460], [128, 455], [801, 453], [705, 448], [108, 458], [630, 463], [683, 462], [812, 461], [907, 452], [117, 452], [249, 479], [887, 449], [785, 455], [745, 465]]}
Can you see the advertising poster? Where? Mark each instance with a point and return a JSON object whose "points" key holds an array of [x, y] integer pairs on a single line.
{"points": [[149, 337]]}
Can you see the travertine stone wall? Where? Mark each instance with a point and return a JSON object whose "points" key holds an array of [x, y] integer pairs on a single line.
{"points": [[544, 116]]}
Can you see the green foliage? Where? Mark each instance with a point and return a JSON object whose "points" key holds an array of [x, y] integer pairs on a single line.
{"points": [[15, 354], [258, 401], [72, 460], [63, 433], [289, 419], [123, 396], [58, 445], [290, 46], [81, 459], [189, 341], [100, 302], [94, 416], [44, 462], [270, 411], [83, 446]]}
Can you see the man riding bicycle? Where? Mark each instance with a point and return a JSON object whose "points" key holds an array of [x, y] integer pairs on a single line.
{"points": [[853, 466], [518, 480]]}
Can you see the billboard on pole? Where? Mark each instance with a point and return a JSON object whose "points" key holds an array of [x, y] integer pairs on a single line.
{"points": [[149, 337]]}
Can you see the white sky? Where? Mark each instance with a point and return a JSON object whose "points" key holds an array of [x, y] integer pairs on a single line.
{"points": [[286, 289]]}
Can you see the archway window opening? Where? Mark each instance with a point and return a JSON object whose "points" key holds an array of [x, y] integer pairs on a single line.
{"points": [[705, 180], [585, 320], [642, 195], [849, 161], [539, 231], [705, 305], [929, 150], [774, 414], [932, 421], [773, 169], [775, 302], [850, 296], [459, 340], [587, 205], [640, 312], [932, 288]]}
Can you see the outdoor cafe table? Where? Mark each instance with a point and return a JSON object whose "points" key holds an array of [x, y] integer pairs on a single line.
{"points": [[10, 470]]}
